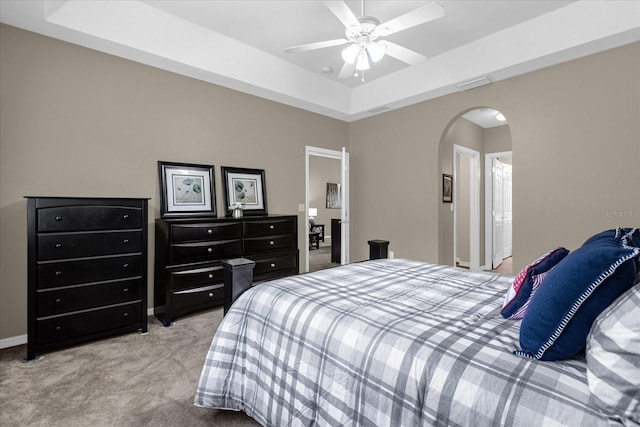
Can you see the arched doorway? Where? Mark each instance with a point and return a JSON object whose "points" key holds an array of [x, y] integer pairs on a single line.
{"points": [[462, 227]]}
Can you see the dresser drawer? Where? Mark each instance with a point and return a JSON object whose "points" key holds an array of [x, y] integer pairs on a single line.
{"points": [[190, 252], [77, 245], [60, 273], [77, 298], [185, 279], [78, 218], [258, 244], [254, 228], [272, 264], [204, 296], [205, 231], [58, 328]]}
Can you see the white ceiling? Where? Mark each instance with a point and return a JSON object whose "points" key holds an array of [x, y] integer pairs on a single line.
{"points": [[240, 44]]}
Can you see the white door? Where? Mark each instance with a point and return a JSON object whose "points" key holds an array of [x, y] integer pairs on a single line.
{"points": [[507, 214], [345, 211], [498, 214]]}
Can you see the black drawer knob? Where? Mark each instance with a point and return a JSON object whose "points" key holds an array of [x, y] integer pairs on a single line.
{"points": [[125, 314], [125, 216], [273, 265], [210, 275], [271, 242], [272, 227], [58, 300], [210, 231], [58, 273], [210, 294], [58, 218], [58, 328], [209, 250], [125, 241], [125, 290], [58, 245], [125, 265]]}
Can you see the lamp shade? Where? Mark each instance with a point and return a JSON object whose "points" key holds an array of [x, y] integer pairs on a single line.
{"points": [[313, 212]]}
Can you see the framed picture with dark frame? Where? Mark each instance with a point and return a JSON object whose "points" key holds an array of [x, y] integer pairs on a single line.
{"points": [[447, 188], [246, 187], [186, 189]]}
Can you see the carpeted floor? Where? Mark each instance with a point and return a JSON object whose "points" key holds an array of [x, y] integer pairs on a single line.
{"points": [[319, 259], [129, 380]]}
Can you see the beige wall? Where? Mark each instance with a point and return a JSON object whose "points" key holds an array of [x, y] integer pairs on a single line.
{"points": [[576, 140], [321, 171], [76, 122]]}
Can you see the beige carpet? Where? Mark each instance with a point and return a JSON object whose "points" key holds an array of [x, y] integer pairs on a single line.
{"points": [[129, 380]]}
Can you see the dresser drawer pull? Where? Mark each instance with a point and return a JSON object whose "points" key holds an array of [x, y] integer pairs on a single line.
{"points": [[209, 231], [125, 241], [210, 276], [125, 290], [58, 300], [272, 227], [125, 265], [125, 216], [58, 218], [209, 250], [58, 273], [273, 265], [58, 328], [271, 242], [58, 245], [210, 294], [125, 314]]}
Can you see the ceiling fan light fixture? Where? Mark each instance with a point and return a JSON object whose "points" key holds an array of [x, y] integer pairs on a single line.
{"points": [[362, 63], [350, 54], [375, 51]]}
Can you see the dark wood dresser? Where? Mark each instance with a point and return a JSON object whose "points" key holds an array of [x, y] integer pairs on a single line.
{"points": [[189, 253], [87, 269]]}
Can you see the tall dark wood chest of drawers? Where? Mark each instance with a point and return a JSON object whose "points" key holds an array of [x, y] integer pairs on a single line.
{"points": [[87, 269], [188, 268]]}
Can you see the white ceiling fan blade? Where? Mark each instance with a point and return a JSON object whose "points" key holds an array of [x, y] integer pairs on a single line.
{"points": [[402, 53], [347, 70], [410, 19], [316, 45], [343, 13]]}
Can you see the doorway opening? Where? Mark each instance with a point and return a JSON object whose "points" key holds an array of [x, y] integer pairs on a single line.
{"points": [[326, 208], [469, 143]]}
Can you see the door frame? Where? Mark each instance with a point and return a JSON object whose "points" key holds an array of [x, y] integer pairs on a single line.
{"points": [[488, 204], [474, 203], [342, 156]]}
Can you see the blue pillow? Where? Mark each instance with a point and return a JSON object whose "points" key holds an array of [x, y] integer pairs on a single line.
{"points": [[526, 283], [575, 291]]}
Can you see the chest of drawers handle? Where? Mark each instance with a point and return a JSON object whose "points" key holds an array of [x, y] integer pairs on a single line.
{"points": [[210, 231], [58, 273], [125, 241], [209, 250], [210, 294], [272, 227], [273, 265], [210, 276], [58, 245], [125, 216], [58, 218], [125, 266], [271, 242], [125, 290], [58, 300]]}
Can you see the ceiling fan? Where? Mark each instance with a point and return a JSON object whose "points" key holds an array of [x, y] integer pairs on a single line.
{"points": [[364, 33]]}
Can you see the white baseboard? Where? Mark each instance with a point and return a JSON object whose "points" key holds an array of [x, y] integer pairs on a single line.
{"points": [[22, 339], [13, 341]]}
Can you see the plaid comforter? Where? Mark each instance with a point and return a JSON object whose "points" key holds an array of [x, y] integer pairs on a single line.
{"points": [[386, 343]]}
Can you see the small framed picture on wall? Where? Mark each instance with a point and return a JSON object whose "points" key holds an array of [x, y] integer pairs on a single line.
{"points": [[447, 188]]}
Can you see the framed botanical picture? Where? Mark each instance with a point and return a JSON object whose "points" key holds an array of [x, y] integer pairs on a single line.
{"points": [[246, 188], [447, 188], [186, 190], [334, 198]]}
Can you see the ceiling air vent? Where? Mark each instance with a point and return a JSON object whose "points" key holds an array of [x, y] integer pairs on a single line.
{"points": [[379, 109], [475, 82]]}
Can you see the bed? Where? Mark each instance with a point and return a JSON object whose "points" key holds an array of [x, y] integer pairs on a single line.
{"points": [[388, 342]]}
